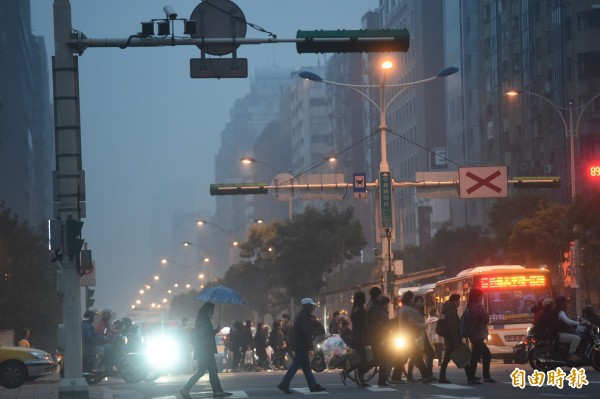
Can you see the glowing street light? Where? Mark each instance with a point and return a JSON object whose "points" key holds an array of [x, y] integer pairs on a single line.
{"points": [[385, 182]]}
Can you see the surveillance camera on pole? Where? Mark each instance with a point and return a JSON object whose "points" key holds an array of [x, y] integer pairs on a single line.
{"points": [[170, 12]]}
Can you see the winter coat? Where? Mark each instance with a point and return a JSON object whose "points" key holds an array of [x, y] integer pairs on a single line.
{"points": [[378, 324], [204, 337], [450, 313], [302, 332], [358, 318], [480, 318]]}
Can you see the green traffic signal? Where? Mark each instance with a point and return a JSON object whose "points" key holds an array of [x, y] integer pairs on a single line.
{"points": [[74, 242], [353, 41]]}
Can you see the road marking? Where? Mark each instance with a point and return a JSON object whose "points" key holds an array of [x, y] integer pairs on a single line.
{"points": [[451, 386], [456, 397], [306, 391], [375, 388]]}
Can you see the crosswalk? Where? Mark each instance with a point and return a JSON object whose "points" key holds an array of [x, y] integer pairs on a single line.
{"points": [[306, 391]]}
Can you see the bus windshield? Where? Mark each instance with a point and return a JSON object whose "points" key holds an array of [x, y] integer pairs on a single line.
{"points": [[512, 305]]}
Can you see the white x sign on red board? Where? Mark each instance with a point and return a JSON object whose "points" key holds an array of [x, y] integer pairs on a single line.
{"points": [[483, 182]]}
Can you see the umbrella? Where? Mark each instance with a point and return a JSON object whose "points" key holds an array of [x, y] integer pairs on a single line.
{"points": [[220, 294]]}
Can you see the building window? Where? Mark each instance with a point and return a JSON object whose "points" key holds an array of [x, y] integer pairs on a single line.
{"points": [[589, 19], [588, 65]]}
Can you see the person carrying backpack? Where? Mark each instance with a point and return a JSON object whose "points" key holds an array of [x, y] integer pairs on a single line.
{"points": [[479, 319]]}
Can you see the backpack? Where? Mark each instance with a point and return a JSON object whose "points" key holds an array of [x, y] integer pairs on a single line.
{"points": [[467, 327], [441, 327]]}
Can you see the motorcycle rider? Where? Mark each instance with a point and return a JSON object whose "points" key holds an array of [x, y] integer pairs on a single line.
{"points": [[587, 313], [565, 328], [103, 327], [545, 326], [91, 341]]}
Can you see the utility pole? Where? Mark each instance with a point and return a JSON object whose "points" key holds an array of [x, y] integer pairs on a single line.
{"points": [[68, 193]]}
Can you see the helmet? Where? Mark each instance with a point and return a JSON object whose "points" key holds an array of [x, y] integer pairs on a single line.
{"points": [[106, 313], [89, 314], [547, 302], [560, 300], [587, 310], [127, 322]]}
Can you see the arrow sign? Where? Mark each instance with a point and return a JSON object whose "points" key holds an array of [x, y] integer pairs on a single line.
{"points": [[483, 182]]}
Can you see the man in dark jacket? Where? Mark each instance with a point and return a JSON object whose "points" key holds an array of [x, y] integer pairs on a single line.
{"points": [[378, 331], [302, 345], [453, 339], [205, 348]]}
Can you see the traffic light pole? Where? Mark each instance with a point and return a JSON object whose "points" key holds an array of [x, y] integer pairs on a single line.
{"points": [[68, 191]]}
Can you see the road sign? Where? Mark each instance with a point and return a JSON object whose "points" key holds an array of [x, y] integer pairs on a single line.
{"points": [[218, 68], [385, 196], [483, 182], [359, 185]]}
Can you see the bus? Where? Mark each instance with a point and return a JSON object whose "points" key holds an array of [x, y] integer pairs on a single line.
{"points": [[509, 293]]}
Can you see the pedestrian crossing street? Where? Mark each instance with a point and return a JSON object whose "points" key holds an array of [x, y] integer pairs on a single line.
{"points": [[306, 391]]}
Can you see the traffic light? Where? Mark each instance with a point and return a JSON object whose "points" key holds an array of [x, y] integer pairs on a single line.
{"points": [[89, 298], [536, 182], [353, 41], [238, 189], [74, 242]]}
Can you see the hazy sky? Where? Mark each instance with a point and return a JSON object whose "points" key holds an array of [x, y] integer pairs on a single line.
{"points": [[147, 127]]}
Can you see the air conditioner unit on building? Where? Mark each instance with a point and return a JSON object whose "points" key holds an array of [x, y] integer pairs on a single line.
{"points": [[548, 168]]}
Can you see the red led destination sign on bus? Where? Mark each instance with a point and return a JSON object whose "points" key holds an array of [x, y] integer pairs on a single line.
{"points": [[514, 281]]}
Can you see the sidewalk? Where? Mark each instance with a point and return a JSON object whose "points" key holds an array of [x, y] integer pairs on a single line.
{"points": [[47, 388]]}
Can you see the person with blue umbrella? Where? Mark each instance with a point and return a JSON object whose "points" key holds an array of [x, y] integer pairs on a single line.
{"points": [[205, 347]]}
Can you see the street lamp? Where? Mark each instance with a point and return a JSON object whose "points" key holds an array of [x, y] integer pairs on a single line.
{"points": [[228, 233], [571, 131], [385, 181]]}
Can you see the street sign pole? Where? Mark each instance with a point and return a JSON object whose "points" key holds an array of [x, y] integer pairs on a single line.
{"points": [[68, 189]]}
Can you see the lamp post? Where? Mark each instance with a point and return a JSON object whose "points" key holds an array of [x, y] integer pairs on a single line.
{"points": [[385, 186], [571, 131], [250, 160], [231, 242]]}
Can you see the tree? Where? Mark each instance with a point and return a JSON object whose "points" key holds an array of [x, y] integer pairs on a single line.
{"points": [[585, 219], [27, 282], [313, 243], [461, 248], [542, 239], [506, 213]]}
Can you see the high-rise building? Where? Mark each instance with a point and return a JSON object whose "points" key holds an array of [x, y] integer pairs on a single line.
{"points": [[26, 123], [249, 117], [416, 119]]}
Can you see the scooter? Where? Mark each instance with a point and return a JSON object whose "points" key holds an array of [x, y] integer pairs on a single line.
{"points": [[118, 363], [522, 349], [546, 355]]}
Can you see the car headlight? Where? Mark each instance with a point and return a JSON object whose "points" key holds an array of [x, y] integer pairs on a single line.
{"points": [[39, 355], [162, 351]]}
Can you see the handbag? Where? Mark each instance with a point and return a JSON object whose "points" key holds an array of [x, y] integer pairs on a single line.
{"points": [[461, 355]]}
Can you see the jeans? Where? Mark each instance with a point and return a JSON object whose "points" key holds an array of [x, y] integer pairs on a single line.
{"points": [[300, 360], [206, 362], [571, 339], [480, 350]]}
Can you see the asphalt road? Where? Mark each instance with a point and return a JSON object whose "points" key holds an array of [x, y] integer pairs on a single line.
{"points": [[264, 385]]}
